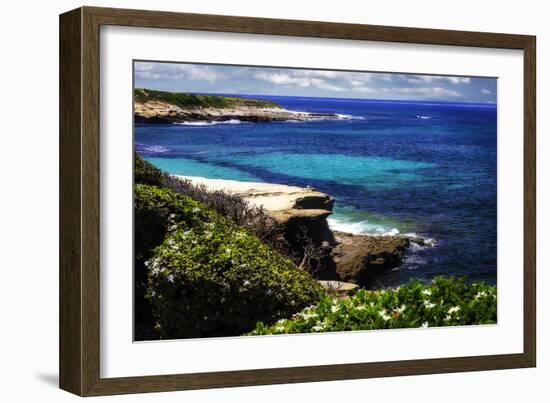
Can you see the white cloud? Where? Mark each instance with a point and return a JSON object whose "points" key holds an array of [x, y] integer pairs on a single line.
{"points": [[435, 92], [459, 80], [416, 79], [172, 71], [316, 82], [315, 73], [298, 78], [365, 90], [337, 81]]}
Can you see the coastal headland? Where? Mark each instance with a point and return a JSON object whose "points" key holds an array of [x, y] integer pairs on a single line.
{"points": [[354, 258], [151, 106]]}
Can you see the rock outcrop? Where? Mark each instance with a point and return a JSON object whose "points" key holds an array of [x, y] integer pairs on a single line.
{"points": [[338, 287], [304, 211], [165, 107], [359, 257], [298, 210]]}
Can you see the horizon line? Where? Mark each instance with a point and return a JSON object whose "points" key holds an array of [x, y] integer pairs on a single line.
{"points": [[321, 97]]}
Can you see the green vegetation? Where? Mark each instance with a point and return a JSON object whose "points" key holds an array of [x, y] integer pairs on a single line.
{"points": [[210, 277], [207, 264], [444, 302], [186, 100], [155, 209], [147, 174]]}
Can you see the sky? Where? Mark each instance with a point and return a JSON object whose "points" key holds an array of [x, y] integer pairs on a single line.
{"points": [[226, 79]]}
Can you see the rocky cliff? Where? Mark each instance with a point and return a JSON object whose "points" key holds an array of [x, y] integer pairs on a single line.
{"points": [[152, 106], [352, 258]]}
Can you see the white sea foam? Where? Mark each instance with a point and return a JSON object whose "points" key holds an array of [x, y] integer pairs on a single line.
{"points": [[423, 117], [201, 123], [426, 242], [344, 116], [152, 148], [204, 123], [361, 228]]}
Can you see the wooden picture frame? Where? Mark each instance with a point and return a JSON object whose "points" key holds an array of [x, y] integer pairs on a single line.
{"points": [[80, 199]]}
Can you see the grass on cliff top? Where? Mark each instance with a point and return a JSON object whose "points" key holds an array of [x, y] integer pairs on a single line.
{"points": [[186, 100]]}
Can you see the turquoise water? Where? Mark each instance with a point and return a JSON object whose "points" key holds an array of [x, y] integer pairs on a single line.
{"points": [[393, 167]]}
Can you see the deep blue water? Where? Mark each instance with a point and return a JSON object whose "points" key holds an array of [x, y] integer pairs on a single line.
{"points": [[395, 166]]}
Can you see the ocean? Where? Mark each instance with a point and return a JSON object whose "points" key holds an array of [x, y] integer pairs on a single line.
{"points": [[406, 167]]}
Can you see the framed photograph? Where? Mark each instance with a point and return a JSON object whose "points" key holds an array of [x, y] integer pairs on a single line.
{"points": [[249, 201]]}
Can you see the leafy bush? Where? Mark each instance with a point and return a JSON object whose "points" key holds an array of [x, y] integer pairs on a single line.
{"points": [[301, 250], [154, 210], [444, 302], [147, 174], [238, 210], [210, 277]]}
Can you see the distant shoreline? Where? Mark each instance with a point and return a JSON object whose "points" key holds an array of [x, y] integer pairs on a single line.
{"points": [[156, 107]]}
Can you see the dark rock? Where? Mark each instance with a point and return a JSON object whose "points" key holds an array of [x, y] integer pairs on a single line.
{"points": [[358, 257]]}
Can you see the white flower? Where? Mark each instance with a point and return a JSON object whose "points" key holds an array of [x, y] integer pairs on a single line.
{"points": [[426, 292], [318, 327], [425, 324], [172, 216], [307, 315], [334, 308], [361, 308], [401, 309], [170, 278], [280, 328], [246, 282], [384, 316], [447, 318], [228, 251], [205, 318], [428, 304], [196, 210], [269, 291], [480, 294], [453, 310], [371, 304]]}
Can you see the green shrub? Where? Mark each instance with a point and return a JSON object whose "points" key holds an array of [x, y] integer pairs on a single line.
{"points": [[444, 302], [156, 210], [147, 174], [212, 278]]}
